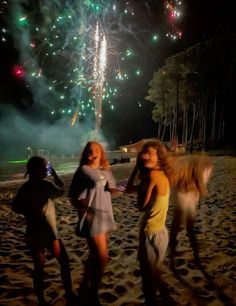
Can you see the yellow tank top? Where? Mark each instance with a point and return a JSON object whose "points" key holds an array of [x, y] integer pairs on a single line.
{"points": [[156, 215]]}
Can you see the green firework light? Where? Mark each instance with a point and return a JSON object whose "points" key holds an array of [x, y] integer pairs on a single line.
{"points": [[58, 54], [56, 40]]}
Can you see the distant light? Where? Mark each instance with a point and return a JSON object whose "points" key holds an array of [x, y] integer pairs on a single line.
{"points": [[128, 52], [18, 71], [179, 34], [154, 37]]}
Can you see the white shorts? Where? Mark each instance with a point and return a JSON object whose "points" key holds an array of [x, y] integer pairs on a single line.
{"points": [[153, 246]]}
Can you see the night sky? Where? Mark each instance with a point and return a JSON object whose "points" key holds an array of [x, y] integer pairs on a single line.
{"points": [[48, 65]]}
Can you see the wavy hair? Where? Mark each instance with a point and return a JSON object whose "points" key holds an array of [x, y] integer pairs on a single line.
{"points": [[164, 159], [192, 173], [85, 154]]}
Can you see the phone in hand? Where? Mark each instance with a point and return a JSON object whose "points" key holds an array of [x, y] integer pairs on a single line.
{"points": [[49, 169]]}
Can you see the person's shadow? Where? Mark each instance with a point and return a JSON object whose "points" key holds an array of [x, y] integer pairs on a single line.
{"points": [[84, 296], [164, 298], [196, 293]]}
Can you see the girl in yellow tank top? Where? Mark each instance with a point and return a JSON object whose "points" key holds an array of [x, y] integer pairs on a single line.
{"points": [[153, 168]]}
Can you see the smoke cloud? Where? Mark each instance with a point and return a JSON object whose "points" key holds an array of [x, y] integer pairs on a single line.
{"points": [[20, 134]]}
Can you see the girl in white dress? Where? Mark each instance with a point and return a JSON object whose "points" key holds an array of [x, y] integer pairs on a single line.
{"points": [[94, 183]]}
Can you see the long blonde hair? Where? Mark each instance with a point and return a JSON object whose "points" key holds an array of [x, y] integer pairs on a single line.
{"points": [[104, 163], [189, 173]]}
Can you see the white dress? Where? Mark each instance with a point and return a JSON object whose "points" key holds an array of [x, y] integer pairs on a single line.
{"points": [[97, 192]]}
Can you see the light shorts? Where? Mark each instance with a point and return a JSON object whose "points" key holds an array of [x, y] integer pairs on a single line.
{"points": [[153, 246], [185, 206]]}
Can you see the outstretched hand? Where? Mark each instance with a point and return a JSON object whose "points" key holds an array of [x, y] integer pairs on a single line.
{"points": [[115, 192]]}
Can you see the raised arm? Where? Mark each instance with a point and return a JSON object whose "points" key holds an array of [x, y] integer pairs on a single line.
{"points": [[131, 187], [59, 185]]}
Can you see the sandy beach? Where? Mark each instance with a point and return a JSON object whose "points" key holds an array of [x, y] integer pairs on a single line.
{"points": [[213, 285]]}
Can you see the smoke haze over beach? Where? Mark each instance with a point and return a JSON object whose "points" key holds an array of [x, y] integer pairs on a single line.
{"points": [[18, 132]]}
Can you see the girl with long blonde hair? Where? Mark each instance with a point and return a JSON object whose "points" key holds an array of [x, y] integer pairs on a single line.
{"points": [[189, 181]]}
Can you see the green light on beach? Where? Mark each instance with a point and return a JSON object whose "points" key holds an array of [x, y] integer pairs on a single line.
{"points": [[22, 161]]}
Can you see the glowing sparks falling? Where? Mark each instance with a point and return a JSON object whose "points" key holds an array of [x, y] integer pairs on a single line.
{"points": [[99, 69], [172, 8], [64, 56], [96, 45], [74, 118]]}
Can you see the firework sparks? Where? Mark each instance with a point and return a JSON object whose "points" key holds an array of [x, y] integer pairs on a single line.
{"points": [[100, 61], [172, 8], [64, 52], [3, 6], [74, 118]]}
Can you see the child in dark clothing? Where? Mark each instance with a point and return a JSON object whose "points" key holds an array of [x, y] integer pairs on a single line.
{"points": [[34, 201]]}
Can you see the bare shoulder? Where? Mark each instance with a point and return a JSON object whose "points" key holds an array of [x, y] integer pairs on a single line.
{"points": [[161, 181], [157, 175]]}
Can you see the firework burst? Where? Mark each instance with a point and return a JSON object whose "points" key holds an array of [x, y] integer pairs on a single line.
{"points": [[100, 61]]}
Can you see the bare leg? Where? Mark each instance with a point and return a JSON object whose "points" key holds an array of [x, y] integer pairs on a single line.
{"points": [[38, 260], [95, 265], [101, 259], [193, 241], [89, 265], [59, 251], [175, 229]]}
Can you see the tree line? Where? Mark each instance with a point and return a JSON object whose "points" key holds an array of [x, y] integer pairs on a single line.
{"points": [[193, 94]]}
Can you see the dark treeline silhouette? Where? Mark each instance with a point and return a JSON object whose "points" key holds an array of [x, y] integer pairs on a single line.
{"points": [[193, 95]]}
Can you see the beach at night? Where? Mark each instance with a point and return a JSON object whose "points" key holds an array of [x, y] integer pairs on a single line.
{"points": [[213, 284]]}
